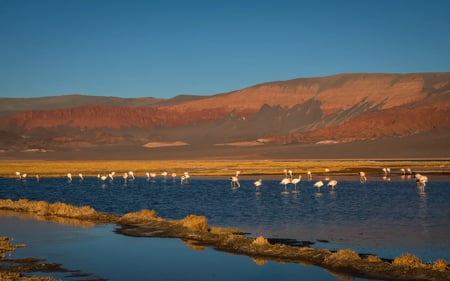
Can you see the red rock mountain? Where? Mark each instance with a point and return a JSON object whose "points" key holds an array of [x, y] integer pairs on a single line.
{"points": [[333, 110]]}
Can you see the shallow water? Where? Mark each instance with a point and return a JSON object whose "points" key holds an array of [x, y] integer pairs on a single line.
{"points": [[386, 218], [116, 257]]}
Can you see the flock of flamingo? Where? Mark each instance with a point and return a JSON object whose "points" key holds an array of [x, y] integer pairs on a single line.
{"points": [[290, 179], [287, 180]]}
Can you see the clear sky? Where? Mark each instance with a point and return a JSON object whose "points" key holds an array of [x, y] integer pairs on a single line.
{"points": [[163, 48]]}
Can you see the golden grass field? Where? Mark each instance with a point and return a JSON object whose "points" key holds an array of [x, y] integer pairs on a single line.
{"points": [[215, 168]]}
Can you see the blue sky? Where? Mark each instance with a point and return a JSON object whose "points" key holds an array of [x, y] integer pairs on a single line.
{"points": [[164, 48]]}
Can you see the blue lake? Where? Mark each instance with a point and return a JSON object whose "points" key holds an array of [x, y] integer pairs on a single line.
{"points": [[386, 218]]}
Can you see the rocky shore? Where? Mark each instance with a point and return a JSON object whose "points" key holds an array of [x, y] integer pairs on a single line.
{"points": [[196, 232]]}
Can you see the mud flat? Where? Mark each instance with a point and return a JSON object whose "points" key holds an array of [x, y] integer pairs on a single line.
{"points": [[194, 230]]}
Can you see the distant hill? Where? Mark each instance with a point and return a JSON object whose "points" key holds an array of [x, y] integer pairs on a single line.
{"points": [[310, 113], [12, 105]]}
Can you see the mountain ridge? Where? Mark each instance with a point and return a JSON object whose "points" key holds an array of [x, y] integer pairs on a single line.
{"points": [[330, 110]]}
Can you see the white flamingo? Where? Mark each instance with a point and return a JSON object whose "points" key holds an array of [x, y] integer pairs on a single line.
{"points": [[235, 180], [174, 176], [185, 178], [318, 184], [285, 182], [386, 174], [257, 184], [103, 178], [131, 174], [125, 177], [309, 174], [19, 175], [290, 174], [326, 170], [332, 184], [81, 176], [147, 175], [69, 177], [421, 182], [295, 182], [362, 177]]}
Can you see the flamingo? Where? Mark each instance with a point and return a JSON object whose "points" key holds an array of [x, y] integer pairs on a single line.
{"points": [[103, 178], [309, 174], [24, 176], [19, 175], [257, 184], [185, 178], [147, 175], [69, 177], [423, 180], [235, 180], [37, 177], [362, 177], [81, 176], [131, 174], [285, 182], [318, 184], [125, 177], [295, 182], [403, 171], [386, 172], [408, 170], [174, 176], [332, 184], [326, 171], [290, 174]]}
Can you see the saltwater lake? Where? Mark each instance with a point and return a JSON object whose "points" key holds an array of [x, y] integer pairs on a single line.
{"points": [[385, 218]]}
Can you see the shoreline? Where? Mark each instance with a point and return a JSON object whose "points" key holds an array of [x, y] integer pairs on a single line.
{"points": [[196, 230], [206, 168]]}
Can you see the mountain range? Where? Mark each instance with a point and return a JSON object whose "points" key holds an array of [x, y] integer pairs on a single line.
{"points": [[368, 116]]}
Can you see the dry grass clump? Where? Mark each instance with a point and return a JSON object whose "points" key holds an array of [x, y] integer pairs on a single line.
{"points": [[46, 209], [139, 217], [372, 258], [260, 241], [341, 256], [195, 223], [62, 209], [408, 261], [223, 230], [5, 246], [440, 265]]}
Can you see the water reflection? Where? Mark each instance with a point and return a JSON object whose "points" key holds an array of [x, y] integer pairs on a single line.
{"points": [[115, 257]]}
